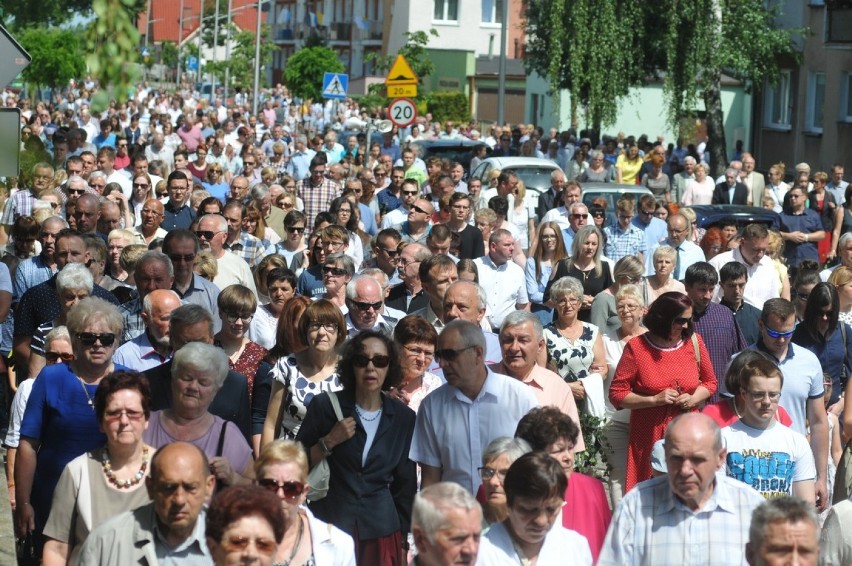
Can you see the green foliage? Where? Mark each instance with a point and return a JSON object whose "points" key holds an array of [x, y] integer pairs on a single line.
{"points": [[168, 53], [415, 53], [112, 44], [57, 56], [242, 58], [21, 14], [304, 71], [371, 101], [444, 106]]}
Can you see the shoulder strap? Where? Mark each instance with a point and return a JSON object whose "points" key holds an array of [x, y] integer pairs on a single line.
{"points": [[695, 349], [221, 445], [336, 405]]}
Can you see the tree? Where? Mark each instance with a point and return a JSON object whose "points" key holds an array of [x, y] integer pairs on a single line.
{"points": [[603, 49], [113, 47], [304, 71], [57, 57], [20, 14], [242, 58], [415, 53]]}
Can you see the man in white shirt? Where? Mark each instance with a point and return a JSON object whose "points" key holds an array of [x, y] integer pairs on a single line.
{"points": [[679, 228], [837, 186], [212, 232], [762, 282], [775, 189], [507, 182], [502, 279], [763, 453], [365, 301]]}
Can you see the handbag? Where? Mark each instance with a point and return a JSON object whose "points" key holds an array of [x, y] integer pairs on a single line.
{"points": [[320, 474]]}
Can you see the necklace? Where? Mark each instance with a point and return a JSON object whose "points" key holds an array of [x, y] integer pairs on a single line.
{"points": [[86, 392], [363, 418], [128, 483], [295, 546]]}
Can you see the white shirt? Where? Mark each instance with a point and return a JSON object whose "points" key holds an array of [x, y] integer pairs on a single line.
{"points": [[394, 217], [123, 180], [505, 286], [762, 283], [559, 544], [452, 430], [232, 270]]}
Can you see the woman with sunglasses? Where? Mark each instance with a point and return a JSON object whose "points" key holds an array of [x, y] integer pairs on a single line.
{"points": [[663, 373], [142, 190], [292, 249], [215, 183], [106, 481], [60, 422], [628, 271], [305, 358], [372, 481], [282, 469]]}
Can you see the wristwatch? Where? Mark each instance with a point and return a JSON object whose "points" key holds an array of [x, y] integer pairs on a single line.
{"points": [[325, 449]]}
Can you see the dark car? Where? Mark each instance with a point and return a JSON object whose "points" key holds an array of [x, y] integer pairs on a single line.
{"points": [[460, 150], [708, 215]]}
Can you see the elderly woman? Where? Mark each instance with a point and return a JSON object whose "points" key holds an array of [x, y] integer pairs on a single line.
{"points": [[628, 271], [108, 480], [700, 189], [662, 281], [306, 367], [215, 183], [60, 421], [198, 372], [280, 284], [337, 270], [244, 526], [663, 373], [417, 340], [496, 459], [535, 493], [282, 469], [73, 284], [373, 481], [587, 265], [630, 306], [596, 171]]}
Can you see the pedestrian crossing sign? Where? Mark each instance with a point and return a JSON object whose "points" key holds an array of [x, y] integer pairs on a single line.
{"points": [[334, 85]]}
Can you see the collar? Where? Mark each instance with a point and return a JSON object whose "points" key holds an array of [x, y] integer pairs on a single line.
{"points": [[720, 500], [197, 537], [791, 352], [489, 391]]}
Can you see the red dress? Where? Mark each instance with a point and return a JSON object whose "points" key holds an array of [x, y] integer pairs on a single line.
{"points": [[646, 370], [248, 363]]}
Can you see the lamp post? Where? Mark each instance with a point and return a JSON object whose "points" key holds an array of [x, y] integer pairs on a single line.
{"points": [[215, 50], [501, 76], [228, 53], [257, 61]]}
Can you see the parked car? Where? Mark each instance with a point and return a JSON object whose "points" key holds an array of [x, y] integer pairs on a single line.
{"points": [[707, 215], [612, 192], [460, 150], [533, 171]]}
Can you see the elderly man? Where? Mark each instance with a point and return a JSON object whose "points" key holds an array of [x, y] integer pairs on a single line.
{"points": [[109, 218], [21, 203], [238, 241], [159, 151], [578, 216], [837, 186], [272, 215], [502, 279], [151, 348], [40, 268], [365, 301], [170, 529], [416, 228], [522, 344], [212, 232], [688, 253], [680, 180], [786, 531], [548, 199], [177, 212], [192, 323], [731, 191], [762, 277], [474, 398], [153, 271], [87, 213], [239, 188], [754, 181], [75, 187], [410, 296], [688, 516], [149, 229], [436, 273]]}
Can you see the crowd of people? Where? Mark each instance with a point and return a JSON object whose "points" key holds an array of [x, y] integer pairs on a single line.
{"points": [[237, 337]]}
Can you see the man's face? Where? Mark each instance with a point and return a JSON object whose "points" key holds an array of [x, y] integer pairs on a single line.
{"points": [[158, 322], [41, 179], [797, 199], [753, 249], [689, 167], [74, 168], [846, 254], [776, 334], [571, 195], [440, 280], [69, 250], [474, 187], [217, 239], [409, 194], [239, 188], [140, 167], [520, 348], [439, 247], [182, 253], [407, 159], [88, 163], [457, 173], [785, 543], [47, 238], [456, 543], [387, 256], [151, 276], [114, 247], [462, 301], [748, 165], [692, 462], [459, 211], [152, 214], [624, 218], [502, 250], [105, 163], [97, 184], [507, 188], [578, 218], [701, 294], [109, 220], [558, 183], [180, 161], [421, 212], [180, 336], [178, 192], [235, 221], [677, 230], [760, 398], [179, 490], [733, 290], [837, 175], [457, 371], [86, 215], [363, 309]]}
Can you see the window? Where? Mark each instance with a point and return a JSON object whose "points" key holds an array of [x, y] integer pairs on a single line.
{"points": [[778, 103], [839, 23], [446, 10], [492, 11], [846, 98], [816, 99]]}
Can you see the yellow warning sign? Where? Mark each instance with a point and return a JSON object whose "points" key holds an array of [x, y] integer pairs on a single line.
{"points": [[400, 73]]}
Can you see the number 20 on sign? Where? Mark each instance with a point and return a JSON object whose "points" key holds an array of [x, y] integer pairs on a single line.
{"points": [[402, 112]]}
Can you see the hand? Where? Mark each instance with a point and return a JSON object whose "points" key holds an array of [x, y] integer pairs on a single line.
{"points": [[831, 255], [587, 301], [821, 495], [578, 390], [837, 408], [684, 401], [221, 468], [598, 369], [400, 395], [12, 496], [666, 397], [24, 520], [340, 433]]}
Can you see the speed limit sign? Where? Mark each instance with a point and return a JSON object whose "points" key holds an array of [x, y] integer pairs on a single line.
{"points": [[402, 112]]}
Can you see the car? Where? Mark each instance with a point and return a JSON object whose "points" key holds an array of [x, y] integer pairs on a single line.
{"points": [[460, 150], [612, 192], [708, 215], [533, 171]]}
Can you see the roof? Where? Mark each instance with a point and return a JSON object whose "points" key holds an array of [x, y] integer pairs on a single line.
{"points": [[165, 18]]}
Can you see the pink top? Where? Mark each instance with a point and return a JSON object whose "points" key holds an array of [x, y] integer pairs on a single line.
{"points": [[587, 510]]}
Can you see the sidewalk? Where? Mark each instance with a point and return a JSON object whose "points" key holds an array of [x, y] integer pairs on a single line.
{"points": [[7, 530]]}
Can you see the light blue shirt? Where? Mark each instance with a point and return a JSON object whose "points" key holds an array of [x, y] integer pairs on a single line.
{"points": [[300, 164], [138, 354], [655, 230], [536, 287], [688, 253]]}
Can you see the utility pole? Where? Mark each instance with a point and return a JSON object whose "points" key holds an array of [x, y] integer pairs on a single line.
{"points": [[200, 30], [180, 40], [228, 53], [215, 51], [255, 98], [501, 77]]}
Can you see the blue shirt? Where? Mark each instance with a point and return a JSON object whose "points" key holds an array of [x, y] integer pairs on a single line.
{"points": [[172, 219], [300, 164], [831, 353], [806, 222], [655, 230], [310, 282], [30, 272]]}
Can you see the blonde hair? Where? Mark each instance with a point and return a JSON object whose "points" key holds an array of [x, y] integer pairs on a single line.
{"points": [[206, 265], [522, 192], [282, 451], [840, 276]]}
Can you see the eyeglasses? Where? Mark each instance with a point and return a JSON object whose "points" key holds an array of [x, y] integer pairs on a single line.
{"points": [[177, 258], [206, 234], [646, 212], [291, 489], [175, 189], [417, 352], [335, 271], [565, 301], [54, 357], [296, 229], [625, 217], [391, 253], [775, 334], [487, 473], [379, 361], [410, 193], [449, 355], [76, 191], [681, 320], [361, 306], [318, 172], [773, 396], [240, 544], [232, 317], [89, 338], [416, 208], [141, 185], [627, 308], [112, 416], [329, 327], [248, 163], [333, 245]]}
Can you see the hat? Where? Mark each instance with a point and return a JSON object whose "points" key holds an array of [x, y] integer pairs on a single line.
{"points": [[658, 456]]}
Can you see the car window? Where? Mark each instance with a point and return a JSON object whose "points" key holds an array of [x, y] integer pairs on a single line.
{"points": [[481, 172], [537, 178]]}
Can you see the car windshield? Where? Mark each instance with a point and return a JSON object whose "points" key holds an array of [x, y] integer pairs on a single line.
{"points": [[535, 177]]}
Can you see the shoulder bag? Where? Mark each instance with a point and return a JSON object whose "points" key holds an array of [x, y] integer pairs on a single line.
{"points": [[320, 474]]}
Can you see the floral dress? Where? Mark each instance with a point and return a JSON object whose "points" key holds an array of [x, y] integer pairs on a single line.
{"points": [[571, 358], [299, 392]]}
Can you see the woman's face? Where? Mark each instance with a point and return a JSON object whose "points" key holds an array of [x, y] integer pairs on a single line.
{"points": [[24, 246], [322, 337], [548, 239], [679, 324], [200, 156], [563, 452], [250, 223], [344, 213], [633, 152], [248, 540], [494, 493], [141, 188], [416, 358], [485, 228], [124, 419], [566, 308], [700, 175], [289, 475], [598, 217], [661, 212], [194, 389], [369, 377], [58, 350], [279, 293], [115, 247], [89, 345], [590, 246], [234, 323], [800, 298], [629, 312], [663, 265], [531, 519]]}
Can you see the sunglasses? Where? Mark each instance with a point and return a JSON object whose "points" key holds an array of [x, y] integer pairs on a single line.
{"points": [[177, 258], [89, 338], [141, 185], [418, 209], [296, 230], [681, 320], [361, 306], [391, 253], [598, 214], [76, 191], [54, 357], [291, 489], [449, 355], [578, 216], [112, 416], [410, 193], [379, 361], [206, 234], [776, 334], [336, 271]]}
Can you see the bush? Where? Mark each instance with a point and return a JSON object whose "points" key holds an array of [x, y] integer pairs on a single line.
{"points": [[448, 106]]}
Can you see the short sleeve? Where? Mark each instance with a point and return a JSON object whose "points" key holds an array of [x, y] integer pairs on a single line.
{"points": [[424, 443], [5, 279], [32, 424], [63, 509], [236, 449]]}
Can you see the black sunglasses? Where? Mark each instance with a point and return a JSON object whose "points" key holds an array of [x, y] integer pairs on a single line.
{"points": [[379, 361], [54, 357], [418, 209], [680, 321], [391, 253], [449, 355], [296, 230], [205, 234], [177, 258], [336, 271], [361, 306], [89, 338], [292, 489]]}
